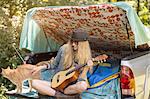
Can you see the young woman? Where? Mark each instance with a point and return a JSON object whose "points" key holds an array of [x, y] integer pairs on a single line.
{"points": [[76, 51]]}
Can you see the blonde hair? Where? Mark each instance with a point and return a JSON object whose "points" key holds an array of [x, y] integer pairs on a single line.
{"points": [[68, 55], [83, 53]]}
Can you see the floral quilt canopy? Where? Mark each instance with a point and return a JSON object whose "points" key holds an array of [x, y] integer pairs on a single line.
{"points": [[106, 24]]}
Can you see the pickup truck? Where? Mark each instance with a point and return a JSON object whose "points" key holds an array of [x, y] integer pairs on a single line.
{"points": [[114, 29]]}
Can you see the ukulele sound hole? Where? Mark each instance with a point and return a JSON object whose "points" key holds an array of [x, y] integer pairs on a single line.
{"points": [[58, 78]]}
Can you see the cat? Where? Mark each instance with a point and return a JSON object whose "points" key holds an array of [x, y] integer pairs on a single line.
{"points": [[23, 72], [18, 75]]}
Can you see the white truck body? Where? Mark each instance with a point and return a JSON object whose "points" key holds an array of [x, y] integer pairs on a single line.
{"points": [[140, 66]]}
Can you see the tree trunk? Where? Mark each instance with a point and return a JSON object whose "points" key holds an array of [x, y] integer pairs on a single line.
{"points": [[138, 6]]}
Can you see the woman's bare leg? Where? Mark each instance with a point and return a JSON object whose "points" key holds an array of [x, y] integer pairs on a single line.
{"points": [[43, 87], [79, 87]]}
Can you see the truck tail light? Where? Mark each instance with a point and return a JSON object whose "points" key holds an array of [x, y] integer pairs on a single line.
{"points": [[127, 81]]}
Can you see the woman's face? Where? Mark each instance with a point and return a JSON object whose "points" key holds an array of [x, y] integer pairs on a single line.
{"points": [[74, 45]]}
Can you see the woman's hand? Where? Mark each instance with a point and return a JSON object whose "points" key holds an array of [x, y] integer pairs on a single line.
{"points": [[101, 58], [87, 68], [90, 65]]}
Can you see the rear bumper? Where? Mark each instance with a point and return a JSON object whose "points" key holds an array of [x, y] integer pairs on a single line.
{"points": [[127, 97]]}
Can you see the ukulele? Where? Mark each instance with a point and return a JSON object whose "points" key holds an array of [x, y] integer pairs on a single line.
{"points": [[64, 78]]}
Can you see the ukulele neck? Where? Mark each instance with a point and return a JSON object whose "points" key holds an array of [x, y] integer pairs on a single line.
{"points": [[77, 67]]}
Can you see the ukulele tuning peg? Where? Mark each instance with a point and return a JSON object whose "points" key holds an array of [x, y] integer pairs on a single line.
{"points": [[104, 60]]}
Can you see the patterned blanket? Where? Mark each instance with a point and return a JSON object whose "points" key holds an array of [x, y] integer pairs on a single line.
{"points": [[106, 24]]}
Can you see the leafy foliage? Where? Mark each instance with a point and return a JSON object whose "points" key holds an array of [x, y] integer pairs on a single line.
{"points": [[144, 14], [2, 91]]}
